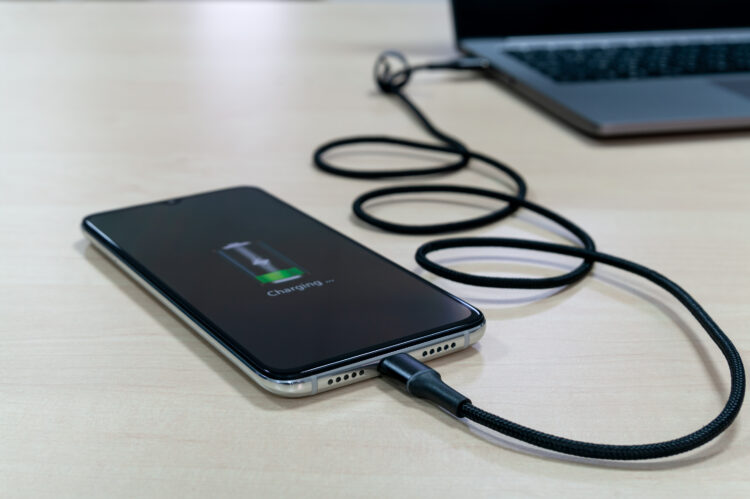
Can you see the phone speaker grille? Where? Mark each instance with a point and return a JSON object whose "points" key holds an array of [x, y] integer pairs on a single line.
{"points": [[437, 350], [346, 377]]}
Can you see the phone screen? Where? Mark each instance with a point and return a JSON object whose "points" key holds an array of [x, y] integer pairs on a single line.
{"points": [[284, 291]]}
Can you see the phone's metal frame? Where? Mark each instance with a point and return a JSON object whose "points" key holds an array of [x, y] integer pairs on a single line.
{"points": [[310, 385]]}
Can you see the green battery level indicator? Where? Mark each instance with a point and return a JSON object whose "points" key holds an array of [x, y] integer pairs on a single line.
{"points": [[261, 261]]}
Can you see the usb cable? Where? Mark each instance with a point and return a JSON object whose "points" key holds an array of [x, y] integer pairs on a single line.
{"points": [[392, 73], [424, 382]]}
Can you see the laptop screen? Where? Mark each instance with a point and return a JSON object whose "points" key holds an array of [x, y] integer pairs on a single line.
{"points": [[501, 18]]}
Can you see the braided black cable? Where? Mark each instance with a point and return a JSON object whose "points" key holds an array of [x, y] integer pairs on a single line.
{"points": [[392, 82], [606, 451]]}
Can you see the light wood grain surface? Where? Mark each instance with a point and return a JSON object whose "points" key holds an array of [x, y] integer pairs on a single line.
{"points": [[104, 393]]}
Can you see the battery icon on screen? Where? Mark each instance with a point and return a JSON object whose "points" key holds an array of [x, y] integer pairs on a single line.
{"points": [[261, 261]]}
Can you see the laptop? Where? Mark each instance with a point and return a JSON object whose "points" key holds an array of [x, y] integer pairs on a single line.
{"points": [[619, 67]]}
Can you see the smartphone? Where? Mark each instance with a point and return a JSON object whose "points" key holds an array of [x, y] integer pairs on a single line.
{"points": [[297, 306]]}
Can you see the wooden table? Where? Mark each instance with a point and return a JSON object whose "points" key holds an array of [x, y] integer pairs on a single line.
{"points": [[105, 393]]}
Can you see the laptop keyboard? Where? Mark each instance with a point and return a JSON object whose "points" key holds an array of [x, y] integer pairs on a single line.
{"points": [[636, 62]]}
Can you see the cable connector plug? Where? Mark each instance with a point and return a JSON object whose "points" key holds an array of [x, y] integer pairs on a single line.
{"points": [[422, 382]]}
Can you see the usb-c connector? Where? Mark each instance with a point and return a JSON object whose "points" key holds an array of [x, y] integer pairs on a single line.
{"points": [[422, 381]]}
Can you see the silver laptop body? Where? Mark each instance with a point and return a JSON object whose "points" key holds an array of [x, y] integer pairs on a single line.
{"points": [[614, 106]]}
